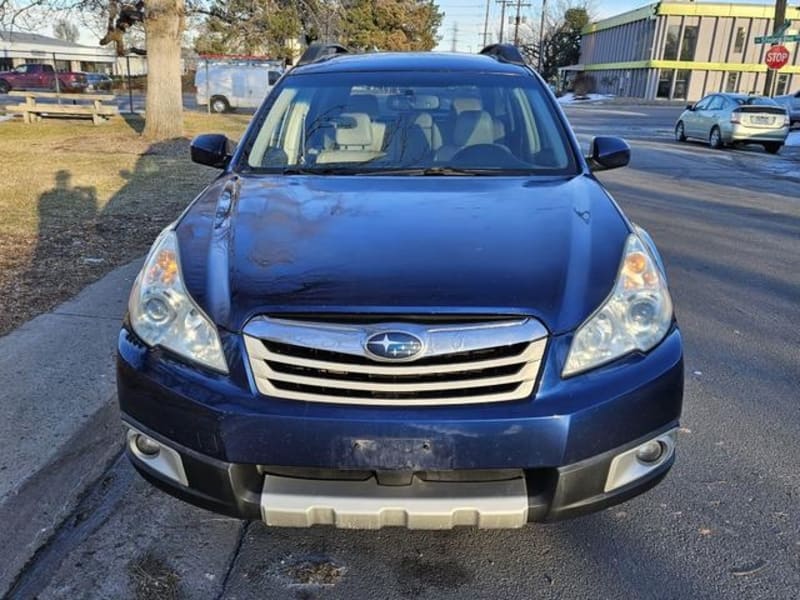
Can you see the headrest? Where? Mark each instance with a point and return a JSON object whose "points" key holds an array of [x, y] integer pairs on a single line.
{"points": [[424, 120], [474, 127], [363, 103], [462, 104], [355, 129]]}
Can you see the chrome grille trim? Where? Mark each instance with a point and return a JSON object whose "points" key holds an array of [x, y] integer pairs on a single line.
{"points": [[321, 378]]}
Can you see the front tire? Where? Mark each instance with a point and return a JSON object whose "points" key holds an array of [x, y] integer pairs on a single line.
{"points": [[715, 138], [773, 147], [5, 87], [680, 132], [219, 104]]}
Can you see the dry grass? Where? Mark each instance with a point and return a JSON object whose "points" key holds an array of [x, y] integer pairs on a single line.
{"points": [[78, 200]]}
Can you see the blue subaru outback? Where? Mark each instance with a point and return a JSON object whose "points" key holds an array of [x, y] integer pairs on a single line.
{"points": [[406, 301]]}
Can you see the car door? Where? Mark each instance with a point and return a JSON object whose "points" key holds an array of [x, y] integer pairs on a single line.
{"points": [[25, 77], [692, 120], [41, 76], [711, 115]]}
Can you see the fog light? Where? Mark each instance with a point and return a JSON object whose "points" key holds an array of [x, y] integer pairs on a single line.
{"points": [[650, 452], [147, 446]]}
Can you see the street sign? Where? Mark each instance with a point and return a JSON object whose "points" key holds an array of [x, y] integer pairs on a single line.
{"points": [[777, 39], [779, 36], [777, 57]]}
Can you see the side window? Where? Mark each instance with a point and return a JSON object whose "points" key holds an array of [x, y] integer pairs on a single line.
{"points": [[716, 103], [703, 104]]}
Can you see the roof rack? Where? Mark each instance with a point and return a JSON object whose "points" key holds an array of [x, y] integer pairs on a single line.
{"points": [[504, 53], [316, 52]]}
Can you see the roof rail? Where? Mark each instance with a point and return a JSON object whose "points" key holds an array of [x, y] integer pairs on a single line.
{"points": [[316, 52], [504, 53]]}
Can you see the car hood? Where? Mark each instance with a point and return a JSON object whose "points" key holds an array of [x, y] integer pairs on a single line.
{"points": [[547, 247]]}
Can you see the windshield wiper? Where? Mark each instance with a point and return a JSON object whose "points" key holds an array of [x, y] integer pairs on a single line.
{"points": [[357, 169], [319, 171], [432, 171]]}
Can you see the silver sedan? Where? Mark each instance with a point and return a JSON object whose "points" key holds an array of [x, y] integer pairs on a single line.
{"points": [[732, 119]]}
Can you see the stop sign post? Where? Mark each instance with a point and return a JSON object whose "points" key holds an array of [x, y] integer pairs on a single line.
{"points": [[777, 57]]}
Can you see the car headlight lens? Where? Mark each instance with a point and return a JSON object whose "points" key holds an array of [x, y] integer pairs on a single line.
{"points": [[163, 313], [636, 315]]}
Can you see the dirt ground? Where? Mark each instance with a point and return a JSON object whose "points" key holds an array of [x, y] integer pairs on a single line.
{"points": [[79, 200]]}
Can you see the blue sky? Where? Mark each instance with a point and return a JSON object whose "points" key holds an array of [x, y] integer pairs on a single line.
{"points": [[468, 17]]}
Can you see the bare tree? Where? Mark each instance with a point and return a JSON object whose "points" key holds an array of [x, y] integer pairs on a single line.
{"points": [[163, 22], [66, 30]]}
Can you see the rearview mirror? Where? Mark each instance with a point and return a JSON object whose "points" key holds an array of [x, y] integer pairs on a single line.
{"points": [[606, 152], [211, 149], [690, 107]]}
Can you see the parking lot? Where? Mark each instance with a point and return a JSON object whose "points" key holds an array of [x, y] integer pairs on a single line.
{"points": [[724, 524]]}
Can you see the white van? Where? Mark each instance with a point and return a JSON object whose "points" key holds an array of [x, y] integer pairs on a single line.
{"points": [[226, 85]]}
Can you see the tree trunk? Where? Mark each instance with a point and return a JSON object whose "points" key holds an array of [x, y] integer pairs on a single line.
{"points": [[164, 21]]}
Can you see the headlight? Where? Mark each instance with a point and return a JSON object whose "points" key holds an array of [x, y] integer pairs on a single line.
{"points": [[636, 316], [163, 314]]}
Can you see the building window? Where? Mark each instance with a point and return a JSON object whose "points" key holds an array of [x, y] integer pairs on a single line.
{"points": [[681, 84], [689, 43], [782, 85], [738, 44], [665, 83], [6, 64], [671, 46], [63, 66], [732, 82]]}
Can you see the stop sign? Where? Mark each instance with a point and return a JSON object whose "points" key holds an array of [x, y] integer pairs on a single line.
{"points": [[777, 57]]}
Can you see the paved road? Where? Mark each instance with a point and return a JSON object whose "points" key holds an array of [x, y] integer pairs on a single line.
{"points": [[724, 524]]}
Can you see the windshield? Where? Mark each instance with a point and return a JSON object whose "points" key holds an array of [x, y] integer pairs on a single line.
{"points": [[445, 122]]}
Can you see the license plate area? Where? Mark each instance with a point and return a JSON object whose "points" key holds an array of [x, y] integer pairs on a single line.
{"points": [[390, 454]]}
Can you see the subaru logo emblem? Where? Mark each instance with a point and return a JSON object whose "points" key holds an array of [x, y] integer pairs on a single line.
{"points": [[393, 345]]}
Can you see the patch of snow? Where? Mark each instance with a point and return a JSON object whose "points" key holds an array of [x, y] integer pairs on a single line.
{"points": [[793, 139], [570, 98]]}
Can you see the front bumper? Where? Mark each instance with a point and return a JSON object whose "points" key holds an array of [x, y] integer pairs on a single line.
{"points": [[540, 495], [562, 441]]}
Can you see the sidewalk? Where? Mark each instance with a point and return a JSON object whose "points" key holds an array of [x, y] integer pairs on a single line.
{"points": [[59, 426]]}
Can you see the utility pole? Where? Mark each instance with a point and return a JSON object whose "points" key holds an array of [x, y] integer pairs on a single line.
{"points": [[516, 21], [503, 4], [486, 25], [780, 17], [541, 37], [455, 37]]}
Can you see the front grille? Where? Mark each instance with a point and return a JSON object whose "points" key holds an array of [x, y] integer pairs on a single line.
{"points": [[461, 363]]}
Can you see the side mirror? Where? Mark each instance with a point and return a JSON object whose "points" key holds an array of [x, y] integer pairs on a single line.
{"points": [[690, 107], [608, 153], [211, 149]]}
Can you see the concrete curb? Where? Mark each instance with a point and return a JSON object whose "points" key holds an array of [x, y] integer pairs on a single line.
{"points": [[59, 426]]}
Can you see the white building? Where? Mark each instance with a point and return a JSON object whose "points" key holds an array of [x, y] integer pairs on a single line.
{"points": [[18, 48]]}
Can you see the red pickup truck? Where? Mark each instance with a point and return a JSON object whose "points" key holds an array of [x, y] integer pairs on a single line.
{"points": [[40, 77]]}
